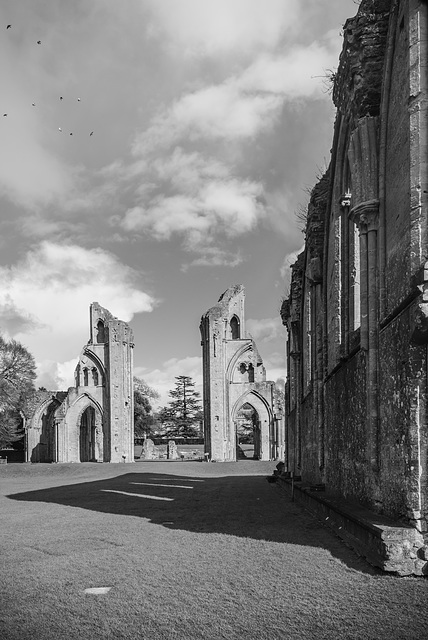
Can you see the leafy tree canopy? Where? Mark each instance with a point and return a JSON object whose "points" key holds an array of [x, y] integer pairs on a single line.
{"points": [[143, 416], [17, 373]]}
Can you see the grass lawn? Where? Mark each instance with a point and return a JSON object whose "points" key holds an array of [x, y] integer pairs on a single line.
{"points": [[188, 550]]}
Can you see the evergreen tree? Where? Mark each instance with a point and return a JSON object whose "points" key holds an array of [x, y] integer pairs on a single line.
{"points": [[183, 414]]}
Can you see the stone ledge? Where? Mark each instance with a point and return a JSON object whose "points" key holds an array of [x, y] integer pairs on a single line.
{"points": [[392, 546]]}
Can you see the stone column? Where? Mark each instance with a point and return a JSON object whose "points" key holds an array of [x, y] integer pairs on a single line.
{"points": [[366, 217]]}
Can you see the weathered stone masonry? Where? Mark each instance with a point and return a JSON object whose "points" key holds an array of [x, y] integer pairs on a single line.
{"points": [[94, 420], [357, 314], [234, 375]]}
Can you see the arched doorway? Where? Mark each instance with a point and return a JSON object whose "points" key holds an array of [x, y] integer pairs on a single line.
{"points": [[252, 414], [87, 435], [247, 423]]}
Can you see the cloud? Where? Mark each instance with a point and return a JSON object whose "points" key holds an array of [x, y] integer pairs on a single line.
{"points": [[195, 197], [294, 75], [14, 320], [219, 111], [56, 283], [203, 27], [287, 263], [213, 257], [265, 330], [56, 376]]}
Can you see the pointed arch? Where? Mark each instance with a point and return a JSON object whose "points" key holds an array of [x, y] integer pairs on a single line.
{"points": [[263, 435], [256, 400], [235, 327], [98, 364], [247, 346], [86, 419], [101, 332], [41, 433]]}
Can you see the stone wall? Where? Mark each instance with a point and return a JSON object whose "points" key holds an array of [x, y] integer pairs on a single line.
{"points": [[357, 314]]}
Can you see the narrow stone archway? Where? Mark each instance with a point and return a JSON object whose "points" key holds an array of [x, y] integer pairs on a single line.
{"points": [[254, 411], [87, 435], [247, 425]]}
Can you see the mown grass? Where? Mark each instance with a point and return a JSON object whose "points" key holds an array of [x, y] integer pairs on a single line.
{"points": [[190, 550]]}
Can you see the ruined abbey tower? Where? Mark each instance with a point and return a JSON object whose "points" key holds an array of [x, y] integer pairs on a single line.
{"points": [[234, 376], [94, 420]]}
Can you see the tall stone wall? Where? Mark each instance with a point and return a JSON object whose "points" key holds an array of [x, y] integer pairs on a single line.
{"points": [[357, 365]]}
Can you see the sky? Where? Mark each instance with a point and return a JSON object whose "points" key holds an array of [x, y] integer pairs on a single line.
{"points": [[154, 153]]}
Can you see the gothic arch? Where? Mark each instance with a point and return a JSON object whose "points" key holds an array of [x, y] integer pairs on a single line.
{"points": [[263, 432], [86, 417], [256, 400], [41, 434], [98, 364], [234, 360], [235, 327]]}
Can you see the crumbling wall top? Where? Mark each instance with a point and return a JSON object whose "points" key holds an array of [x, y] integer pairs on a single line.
{"points": [[358, 80], [218, 310]]}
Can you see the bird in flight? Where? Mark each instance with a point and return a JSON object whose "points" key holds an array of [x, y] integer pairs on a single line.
{"points": [[39, 42], [92, 133], [33, 104], [8, 26], [61, 98], [5, 114]]}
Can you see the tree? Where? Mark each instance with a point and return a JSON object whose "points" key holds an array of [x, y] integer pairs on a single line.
{"points": [[143, 417], [182, 416], [17, 372]]}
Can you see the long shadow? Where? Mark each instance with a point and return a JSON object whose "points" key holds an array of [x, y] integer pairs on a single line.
{"points": [[245, 506]]}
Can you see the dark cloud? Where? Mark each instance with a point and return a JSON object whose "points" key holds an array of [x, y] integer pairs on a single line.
{"points": [[14, 320]]}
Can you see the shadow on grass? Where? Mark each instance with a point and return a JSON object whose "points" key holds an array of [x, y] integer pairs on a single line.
{"points": [[245, 506]]}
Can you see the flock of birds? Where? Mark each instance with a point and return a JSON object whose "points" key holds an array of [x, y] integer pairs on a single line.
{"points": [[61, 98]]}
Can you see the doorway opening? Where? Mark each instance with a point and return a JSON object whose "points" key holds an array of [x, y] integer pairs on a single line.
{"points": [[87, 435], [247, 433]]}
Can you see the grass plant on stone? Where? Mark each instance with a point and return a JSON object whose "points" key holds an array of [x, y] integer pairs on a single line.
{"points": [[184, 550]]}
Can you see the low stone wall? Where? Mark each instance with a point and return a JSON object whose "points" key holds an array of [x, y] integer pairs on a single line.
{"points": [[385, 543]]}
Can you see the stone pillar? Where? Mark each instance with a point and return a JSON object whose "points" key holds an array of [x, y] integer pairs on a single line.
{"points": [[366, 217]]}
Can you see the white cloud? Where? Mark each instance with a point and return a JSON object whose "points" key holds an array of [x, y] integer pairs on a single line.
{"points": [[287, 263], [296, 74], [198, 200], [213, 257], [56, 376], [56, 284], [223, 111], [212, 28], [265, 330]]}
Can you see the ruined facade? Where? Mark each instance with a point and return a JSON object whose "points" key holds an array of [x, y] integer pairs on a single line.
{"points": [[357, 313], [234, 377], [94, 420]]}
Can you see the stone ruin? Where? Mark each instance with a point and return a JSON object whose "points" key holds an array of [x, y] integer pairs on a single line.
{"points": [[94, 420], [234, 377]]}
